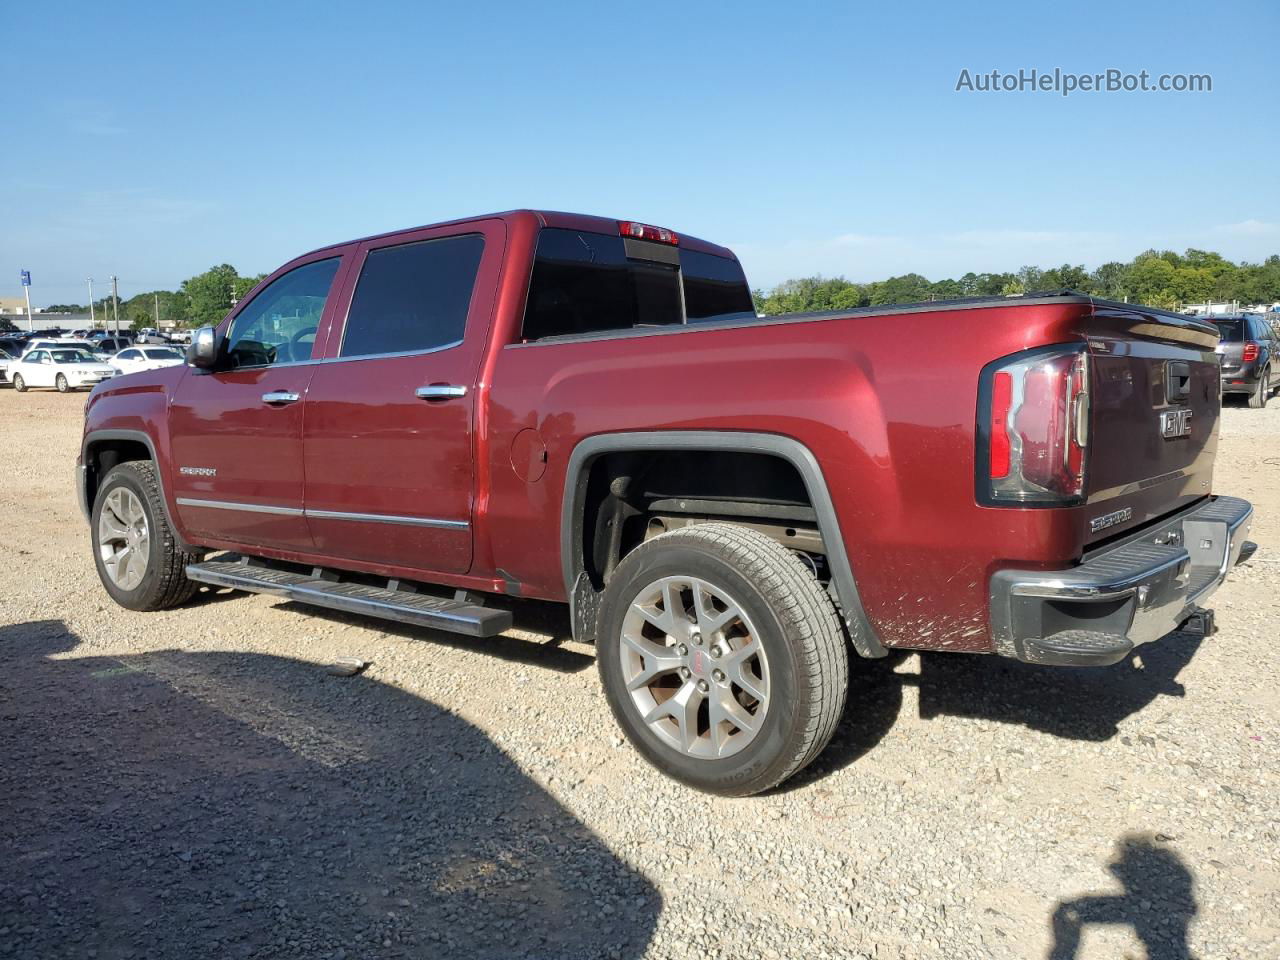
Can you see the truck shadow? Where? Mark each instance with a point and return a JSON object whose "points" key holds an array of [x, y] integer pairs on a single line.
{"points": [[1076, 703], [173, 804], [1158, 901]]}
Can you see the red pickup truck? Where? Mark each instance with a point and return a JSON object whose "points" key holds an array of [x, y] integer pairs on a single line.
{"points": [[425, 424]]}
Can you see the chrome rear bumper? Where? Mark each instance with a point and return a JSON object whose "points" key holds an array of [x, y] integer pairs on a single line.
{"points": [[1138, 591]]}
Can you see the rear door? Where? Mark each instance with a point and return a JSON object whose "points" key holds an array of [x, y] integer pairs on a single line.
{"points": [[1154, 424], [388, 440], [236, 433]]}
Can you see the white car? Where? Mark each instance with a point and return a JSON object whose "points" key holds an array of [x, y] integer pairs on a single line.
{"points": [[147, 358], [59, 367], [85, 345]]}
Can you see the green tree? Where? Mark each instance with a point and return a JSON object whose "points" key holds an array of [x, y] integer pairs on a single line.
{"points": [[208, 295]]}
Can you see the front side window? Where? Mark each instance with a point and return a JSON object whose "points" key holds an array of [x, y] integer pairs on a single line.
{"points": [[279, 324], [72, 356], [37, 356], [413, 297], [162, 354]]}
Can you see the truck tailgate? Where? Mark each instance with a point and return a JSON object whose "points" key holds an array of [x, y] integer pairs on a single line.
{"points": [[1155, 399]]}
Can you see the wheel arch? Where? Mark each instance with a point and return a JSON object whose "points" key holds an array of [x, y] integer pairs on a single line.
{"points": [[103, 449], [583, 597]]}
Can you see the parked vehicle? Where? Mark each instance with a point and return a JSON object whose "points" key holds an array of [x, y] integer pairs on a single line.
{"points": [[1250, 351], [107, 347], [64, 369], [8, 354], [136, 359], [421, 424], [57, 343]]}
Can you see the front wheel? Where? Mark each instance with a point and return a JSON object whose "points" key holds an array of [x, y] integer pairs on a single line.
{"points": [[1258, 399], [139, 560], [19, 384], [722, 658], [61, 383]]}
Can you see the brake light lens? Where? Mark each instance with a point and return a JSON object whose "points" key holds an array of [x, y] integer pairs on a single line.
{"points": [[643, 231], [1036, 429], [1250, 352]]}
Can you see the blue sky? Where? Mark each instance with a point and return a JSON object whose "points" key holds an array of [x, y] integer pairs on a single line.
{"points": [[155, 140]]}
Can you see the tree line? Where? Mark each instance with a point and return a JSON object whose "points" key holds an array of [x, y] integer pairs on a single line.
{"points": [[1160, 278], [199, 301]]}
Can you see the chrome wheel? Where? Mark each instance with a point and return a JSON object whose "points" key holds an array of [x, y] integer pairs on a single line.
{"points": [[694, 667], [124, 540]]}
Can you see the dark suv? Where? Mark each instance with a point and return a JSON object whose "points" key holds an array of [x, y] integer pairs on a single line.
{"points": [[1250, 351]]}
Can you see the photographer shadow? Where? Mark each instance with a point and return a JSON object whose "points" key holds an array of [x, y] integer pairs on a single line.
{"points": [[1158, 902]]}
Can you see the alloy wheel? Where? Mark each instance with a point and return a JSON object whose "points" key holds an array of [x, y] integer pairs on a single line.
{"points": [[694, 667], [124, 539]]}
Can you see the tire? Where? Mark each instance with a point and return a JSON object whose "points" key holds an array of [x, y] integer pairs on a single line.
{"points": [[161, 582], [19, 384], [799, 664], [1262, 392], [61, 384]]}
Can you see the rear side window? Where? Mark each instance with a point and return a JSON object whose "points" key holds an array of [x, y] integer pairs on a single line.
{"points": [[414, 297], [714, 288], [585, 283]]}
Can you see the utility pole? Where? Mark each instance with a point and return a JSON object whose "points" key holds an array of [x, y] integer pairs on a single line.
{"points": [[157, 296], [233, 296], [93, 321], [115, 304]]}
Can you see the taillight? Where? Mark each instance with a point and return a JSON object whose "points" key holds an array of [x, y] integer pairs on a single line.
{"points": [[1250, 352], [1035, 428], [643, 231]]}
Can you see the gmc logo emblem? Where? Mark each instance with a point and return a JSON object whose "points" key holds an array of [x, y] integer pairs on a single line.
{"points": [[1175, 423]]}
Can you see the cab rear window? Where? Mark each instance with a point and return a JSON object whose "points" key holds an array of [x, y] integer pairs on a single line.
{"points": [[585, 282]]}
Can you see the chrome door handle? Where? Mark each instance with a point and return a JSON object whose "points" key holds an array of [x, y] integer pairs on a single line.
{"points": [[440, 391], [280, 397]]}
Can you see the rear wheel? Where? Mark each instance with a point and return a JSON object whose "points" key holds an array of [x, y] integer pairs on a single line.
{"points": [[1262, 392], [19, 384], [722, 658], [61, 383], [137, 555]]}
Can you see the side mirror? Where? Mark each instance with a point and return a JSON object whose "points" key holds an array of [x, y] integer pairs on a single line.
{"points": [[203, 352]]}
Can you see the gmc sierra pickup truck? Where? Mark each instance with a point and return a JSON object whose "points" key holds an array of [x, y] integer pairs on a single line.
{"points": [[426, 424]]}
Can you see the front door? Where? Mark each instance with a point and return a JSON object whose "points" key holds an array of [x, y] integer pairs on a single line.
{"points": [[236, 432], [388, 433]]}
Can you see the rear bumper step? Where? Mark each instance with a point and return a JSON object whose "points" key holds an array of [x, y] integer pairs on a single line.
{"points": [[1095, 614], [453, 616]]}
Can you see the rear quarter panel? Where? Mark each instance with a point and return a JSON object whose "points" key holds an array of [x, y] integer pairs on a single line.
{"points": [[886, 403]]}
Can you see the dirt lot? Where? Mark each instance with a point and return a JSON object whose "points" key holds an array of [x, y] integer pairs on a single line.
{"points": [[194, 784]]}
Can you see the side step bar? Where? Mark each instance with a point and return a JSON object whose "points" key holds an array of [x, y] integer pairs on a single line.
{"points": [[454, 616]]}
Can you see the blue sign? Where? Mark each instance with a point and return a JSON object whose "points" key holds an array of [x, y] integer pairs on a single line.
{"points": [[26, 278]]}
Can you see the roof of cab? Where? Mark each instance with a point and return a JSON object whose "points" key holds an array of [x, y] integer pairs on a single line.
{"points": [[545, 218]]}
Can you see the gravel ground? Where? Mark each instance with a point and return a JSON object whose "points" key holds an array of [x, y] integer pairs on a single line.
{"points": [[195, 784]]}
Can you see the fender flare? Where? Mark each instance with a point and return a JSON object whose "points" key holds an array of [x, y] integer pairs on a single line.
{"points": [[573, 564], [139, 436]]}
